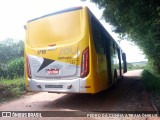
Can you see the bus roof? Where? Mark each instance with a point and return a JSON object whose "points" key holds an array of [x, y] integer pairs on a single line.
{"points": [[58, 12]]}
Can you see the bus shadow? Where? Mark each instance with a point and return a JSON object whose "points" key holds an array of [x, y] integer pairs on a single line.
{"points": [[107, 100], [104, 101], [82, 102]]}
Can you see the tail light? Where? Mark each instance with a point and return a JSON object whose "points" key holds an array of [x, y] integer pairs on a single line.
{"points": [[85, 63], [28, 68]]}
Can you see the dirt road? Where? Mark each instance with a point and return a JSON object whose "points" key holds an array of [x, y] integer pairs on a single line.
{"points": [[128, 96]]}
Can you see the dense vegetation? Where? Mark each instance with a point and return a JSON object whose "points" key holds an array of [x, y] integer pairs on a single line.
{"points": [[152, 85], [12, 83], [11, 57]]}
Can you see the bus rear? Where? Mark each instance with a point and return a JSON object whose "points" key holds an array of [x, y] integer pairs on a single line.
{"points": [[57, 52]]}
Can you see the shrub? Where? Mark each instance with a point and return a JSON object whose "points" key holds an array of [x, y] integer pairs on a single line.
{"points": [[151, 81], [3, 72], [11, 88], [16, 68]]}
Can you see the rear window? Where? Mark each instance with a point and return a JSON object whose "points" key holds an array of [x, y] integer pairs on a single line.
{"points": [[55, 28]]}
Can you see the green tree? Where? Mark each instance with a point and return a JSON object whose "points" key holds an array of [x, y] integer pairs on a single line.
{"points": [[10, 50], [11, 58], [15, 68]]}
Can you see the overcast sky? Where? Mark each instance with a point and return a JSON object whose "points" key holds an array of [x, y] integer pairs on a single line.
{"points": [[15, 13]]}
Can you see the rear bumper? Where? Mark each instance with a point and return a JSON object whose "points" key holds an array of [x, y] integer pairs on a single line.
{"points": [[58, 86]]}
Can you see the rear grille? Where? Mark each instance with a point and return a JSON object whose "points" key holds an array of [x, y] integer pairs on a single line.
{"points": [[53, 86]]}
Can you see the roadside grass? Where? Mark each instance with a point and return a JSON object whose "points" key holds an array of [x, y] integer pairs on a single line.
{"points": [[11, 88], [151, 82], [152, 85]]}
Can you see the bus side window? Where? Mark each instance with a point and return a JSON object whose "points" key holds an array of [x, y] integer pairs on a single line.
{"points": [[116, 59], [104, 38], [118, 51], [114, 48], [97, 37], [124, 62]]}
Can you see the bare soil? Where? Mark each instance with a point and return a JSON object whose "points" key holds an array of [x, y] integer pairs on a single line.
{"points": [[129, 95]]}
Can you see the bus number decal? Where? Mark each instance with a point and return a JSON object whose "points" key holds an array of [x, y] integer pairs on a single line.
{"points": [[41, 51]]}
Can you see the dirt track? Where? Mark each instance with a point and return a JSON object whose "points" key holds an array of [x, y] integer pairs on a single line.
{"points": [[128, 96]]}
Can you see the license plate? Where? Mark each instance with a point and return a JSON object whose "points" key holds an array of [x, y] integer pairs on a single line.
{"points": [[53, 71]]}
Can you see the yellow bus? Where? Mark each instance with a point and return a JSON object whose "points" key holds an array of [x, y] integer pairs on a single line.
{"points": [[69, 51]]}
